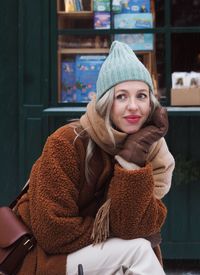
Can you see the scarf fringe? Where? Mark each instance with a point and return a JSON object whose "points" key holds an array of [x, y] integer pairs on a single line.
{"points": [[100, 230]]}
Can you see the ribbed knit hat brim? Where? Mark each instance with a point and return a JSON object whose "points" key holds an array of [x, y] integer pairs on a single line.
{"points": [[121, 65]]}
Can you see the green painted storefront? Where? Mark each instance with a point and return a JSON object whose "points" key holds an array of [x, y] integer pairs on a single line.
{"points": [[29, 113]]}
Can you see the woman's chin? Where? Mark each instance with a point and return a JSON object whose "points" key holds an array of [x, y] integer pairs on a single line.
{"points": [[130, 131]]}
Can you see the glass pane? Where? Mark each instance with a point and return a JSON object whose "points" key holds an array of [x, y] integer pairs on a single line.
{"points": [[185, 52], [159, 65], [159, 13], [185, 13], [185, 69]]}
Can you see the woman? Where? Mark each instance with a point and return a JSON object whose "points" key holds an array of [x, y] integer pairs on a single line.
{"points": [[95, 193]]}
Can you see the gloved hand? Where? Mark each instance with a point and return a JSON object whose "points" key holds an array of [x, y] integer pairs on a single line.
{"points": [[136, 146]]}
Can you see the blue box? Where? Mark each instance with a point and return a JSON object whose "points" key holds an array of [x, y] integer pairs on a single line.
{"points": [[68, 81], [87, 70], [137, 41], [102, 20], [133, 20], [135, 6]]}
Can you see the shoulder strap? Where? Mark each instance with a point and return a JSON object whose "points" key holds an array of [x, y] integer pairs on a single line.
{"points": [[23, 191]]}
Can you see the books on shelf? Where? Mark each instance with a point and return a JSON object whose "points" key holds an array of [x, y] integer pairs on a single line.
{"points": [[73, 5]]}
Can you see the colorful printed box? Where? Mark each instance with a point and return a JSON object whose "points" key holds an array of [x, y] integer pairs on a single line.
{"points": [[116, 6], [68, 80], [135, 6], [102, 20], [87, 69], [101, 5], [133, 20], [137, 41]]}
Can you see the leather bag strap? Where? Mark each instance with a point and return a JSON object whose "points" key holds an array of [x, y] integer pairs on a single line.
{"points": [[23, 191]]}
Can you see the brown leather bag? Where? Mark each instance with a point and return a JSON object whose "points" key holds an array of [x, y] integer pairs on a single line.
{"points": [[15, 241]]}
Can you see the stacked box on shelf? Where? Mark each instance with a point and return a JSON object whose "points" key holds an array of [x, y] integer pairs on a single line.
{"points": [[185, 89], [138, 42], [87, 69], [68, 81], [79, 77], [102, 20], [133, 20], [101, 14], [101, 5], [135, 14], [135, 6]]}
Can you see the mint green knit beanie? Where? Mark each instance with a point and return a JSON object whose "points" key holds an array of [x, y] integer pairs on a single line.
{"points": [[121, 65]]}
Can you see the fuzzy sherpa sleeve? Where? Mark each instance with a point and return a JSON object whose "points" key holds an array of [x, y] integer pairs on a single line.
{"points": [[53, 194], [134, 210], [163, 165]]}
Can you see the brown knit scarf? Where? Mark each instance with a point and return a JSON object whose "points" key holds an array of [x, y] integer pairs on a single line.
{"points": [[94, 125]]}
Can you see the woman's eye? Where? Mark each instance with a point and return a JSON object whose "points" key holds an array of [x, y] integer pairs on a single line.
{"points": [[142, 95], [121, 97]]}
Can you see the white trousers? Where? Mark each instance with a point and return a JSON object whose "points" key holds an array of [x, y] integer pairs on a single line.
{"points": [[116, 257]]}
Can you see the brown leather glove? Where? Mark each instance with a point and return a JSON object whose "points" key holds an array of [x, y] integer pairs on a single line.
{"points": [[136, 146]]}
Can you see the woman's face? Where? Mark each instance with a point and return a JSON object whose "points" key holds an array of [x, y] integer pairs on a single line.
{"points": [[131, 106]]}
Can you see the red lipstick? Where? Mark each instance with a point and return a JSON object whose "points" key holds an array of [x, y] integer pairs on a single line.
{"points": [[132, 118]]}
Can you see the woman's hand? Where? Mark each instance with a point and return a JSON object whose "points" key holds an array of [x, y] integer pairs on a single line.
{"points": [[125, 164], [137, 145]]}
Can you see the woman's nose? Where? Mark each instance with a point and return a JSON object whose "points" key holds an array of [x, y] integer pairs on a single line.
{"points": [[132, 104]]}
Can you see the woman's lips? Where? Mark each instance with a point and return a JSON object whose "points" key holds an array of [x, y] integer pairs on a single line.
{"points": [[132, 119]]}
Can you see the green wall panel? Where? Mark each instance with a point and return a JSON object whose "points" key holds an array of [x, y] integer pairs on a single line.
{"points": [[35, 28], [24, 89], [181, 237], [33, 142], [8, 100], [34, 80]]}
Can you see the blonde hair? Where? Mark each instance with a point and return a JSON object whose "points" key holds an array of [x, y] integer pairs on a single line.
{"points": [[103, 107]]}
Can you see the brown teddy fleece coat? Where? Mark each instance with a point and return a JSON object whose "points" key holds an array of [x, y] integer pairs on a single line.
{"points": [[60, 206]]}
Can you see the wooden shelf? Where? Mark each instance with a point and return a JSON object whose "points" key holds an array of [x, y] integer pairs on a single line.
{"points": [[83, 51], [78, 15]]}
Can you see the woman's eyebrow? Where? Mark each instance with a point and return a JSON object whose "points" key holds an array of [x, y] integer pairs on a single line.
{"points": [[121, 90], [143, 90]]}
